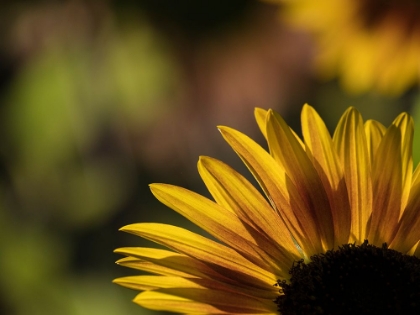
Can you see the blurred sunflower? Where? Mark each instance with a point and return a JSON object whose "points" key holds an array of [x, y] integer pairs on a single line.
{"points": [[369, 44], [337, 232]]}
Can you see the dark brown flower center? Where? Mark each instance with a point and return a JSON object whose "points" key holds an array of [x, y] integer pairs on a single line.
{"points": [[352, 280]]}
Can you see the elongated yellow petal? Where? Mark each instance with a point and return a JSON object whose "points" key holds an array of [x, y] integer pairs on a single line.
{"points": [[220, 258], [202, 301], [320, 150], [135, 263], [287, 151], [233, 191], [153, 282], [350, 142], [387, 188], [279, 189], [406, 126], [219, 222], [171, 262]]}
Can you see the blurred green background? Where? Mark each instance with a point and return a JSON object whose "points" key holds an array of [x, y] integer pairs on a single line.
{"points": [[99, 98]]}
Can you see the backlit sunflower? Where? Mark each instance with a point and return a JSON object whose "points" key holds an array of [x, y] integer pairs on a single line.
{"points": [[369, 44], [336, 233]]}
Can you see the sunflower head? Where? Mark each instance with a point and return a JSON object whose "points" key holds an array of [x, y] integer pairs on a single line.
{"points": [[368, 44], [335, 231]]}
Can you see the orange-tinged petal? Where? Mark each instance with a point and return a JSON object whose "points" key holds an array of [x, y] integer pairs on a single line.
{"points": [[233, 191], [288, 152], [220, 258], [387, 188], [350, 142], [320, 150], [279, 189]]}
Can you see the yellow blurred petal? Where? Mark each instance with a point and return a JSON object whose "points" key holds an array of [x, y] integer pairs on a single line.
{"points": [[287, 151], [350, 142], [220, 258], [321, 151]]}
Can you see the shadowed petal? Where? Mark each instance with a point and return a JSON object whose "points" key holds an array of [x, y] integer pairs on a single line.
{"points": [[408, 233], [233, 191], [288, 152], [350, 142], [387, 188], [279, 189], [320, 149], [222, 224]]}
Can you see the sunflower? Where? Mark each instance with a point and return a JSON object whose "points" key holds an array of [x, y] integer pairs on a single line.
{"points": [[335, 231], [368, 44]]}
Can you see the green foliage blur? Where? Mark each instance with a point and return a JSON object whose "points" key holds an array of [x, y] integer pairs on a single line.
{"points": [[99, 99]]}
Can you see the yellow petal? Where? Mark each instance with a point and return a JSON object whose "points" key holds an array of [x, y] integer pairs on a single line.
{"points": [[387, 188], [288, 152], [279, 189], [171, 262], [406, 126], [153, 282], [234, 192], [374, 132], [408, 233], [350, 142], [320, 150], [196, 301], [260, 117], [219, 222], [139, 264], [220, 258]]}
